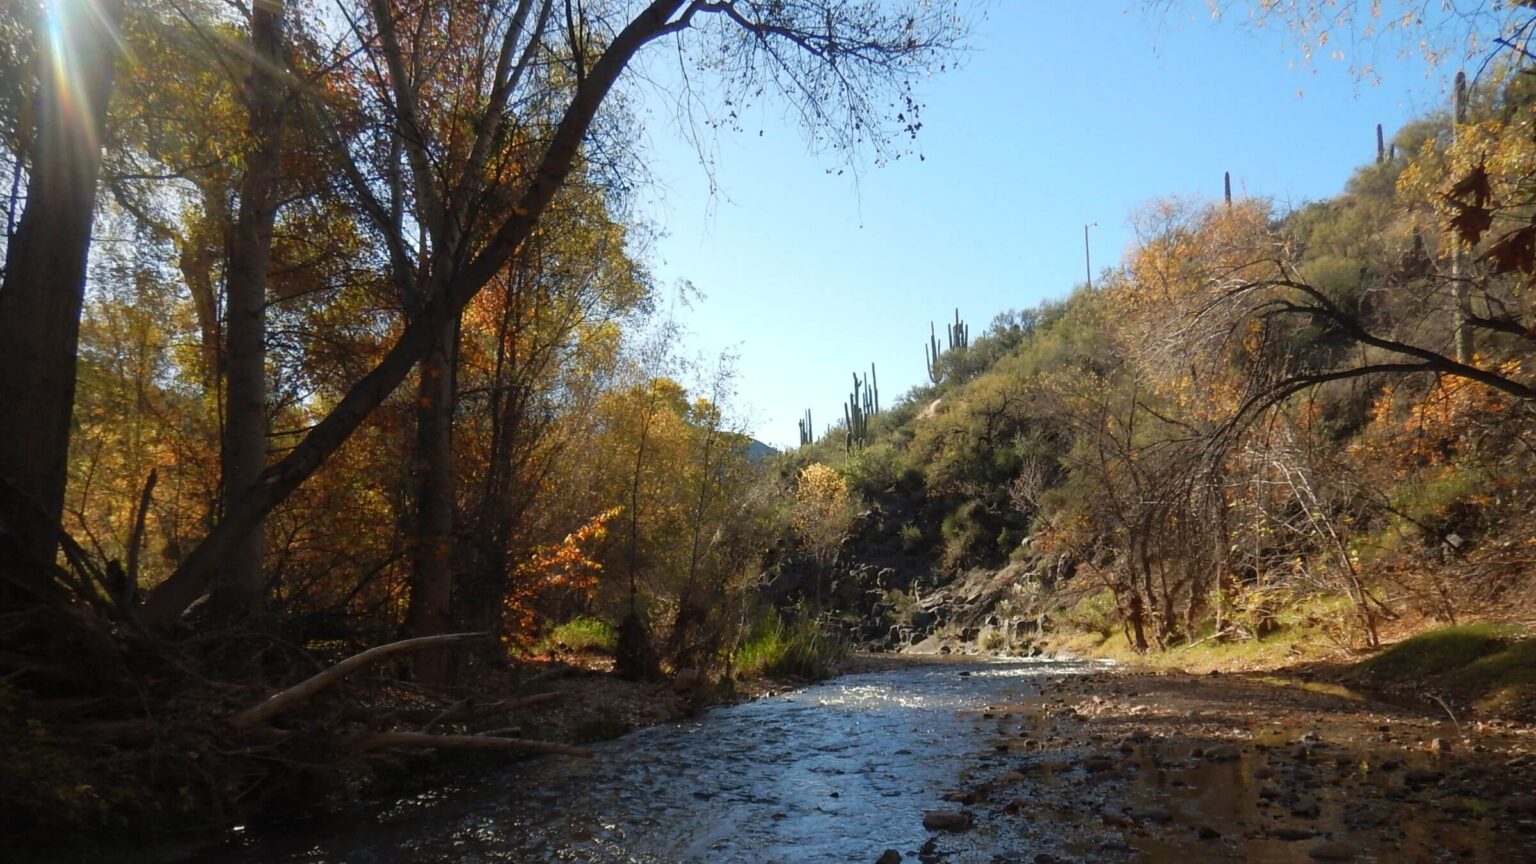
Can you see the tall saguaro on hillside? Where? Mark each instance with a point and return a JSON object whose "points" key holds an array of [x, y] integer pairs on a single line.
{"points": [[45, 263]]}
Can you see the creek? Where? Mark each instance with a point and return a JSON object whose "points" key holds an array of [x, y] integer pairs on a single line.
{"points": [[836, 771], [843, 770]]}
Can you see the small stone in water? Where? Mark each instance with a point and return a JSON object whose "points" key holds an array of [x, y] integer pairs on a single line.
{"points": [[1306, 807], [1223, 753], [1333, 850], [946, 820], [889, 856]]}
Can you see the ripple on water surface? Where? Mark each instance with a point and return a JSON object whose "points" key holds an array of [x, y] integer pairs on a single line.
{"points": [[834, 772]]}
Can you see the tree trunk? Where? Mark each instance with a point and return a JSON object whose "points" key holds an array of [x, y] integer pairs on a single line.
{"points": [[239, 590], [191, 578], [45, 265], [1138, 621], [432, 545], [197, 251]]}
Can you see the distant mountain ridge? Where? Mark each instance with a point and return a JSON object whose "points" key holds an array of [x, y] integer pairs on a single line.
{"points": [[757, 451]]}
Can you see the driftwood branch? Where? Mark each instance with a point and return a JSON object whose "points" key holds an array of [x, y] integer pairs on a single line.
{"points": [[307, 688], [468, 712], [469, 742]]}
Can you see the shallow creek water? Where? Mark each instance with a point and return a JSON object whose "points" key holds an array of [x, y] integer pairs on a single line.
{"points": [[843, 770], [837, 771]]}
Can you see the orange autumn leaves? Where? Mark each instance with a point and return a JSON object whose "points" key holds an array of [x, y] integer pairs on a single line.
{"points": [[565, 564]]}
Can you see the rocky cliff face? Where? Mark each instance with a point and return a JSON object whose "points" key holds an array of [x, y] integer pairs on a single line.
{"points": [[888, 591]]}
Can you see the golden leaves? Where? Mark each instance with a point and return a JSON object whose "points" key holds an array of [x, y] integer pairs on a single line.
{"points": [[1469, 199]]}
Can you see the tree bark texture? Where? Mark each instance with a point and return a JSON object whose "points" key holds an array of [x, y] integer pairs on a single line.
{"points": [[432, 546], [45, 267], [239, 589]]}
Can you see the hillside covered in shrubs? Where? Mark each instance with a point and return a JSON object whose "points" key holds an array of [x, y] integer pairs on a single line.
{"points": [[1312, 419]]}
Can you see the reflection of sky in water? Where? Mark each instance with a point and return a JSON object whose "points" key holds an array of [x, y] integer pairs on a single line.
{"points": [[836, 771]]}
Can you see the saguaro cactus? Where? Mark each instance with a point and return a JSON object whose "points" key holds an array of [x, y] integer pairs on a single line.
{"points": [[1226, 185], [958, 335], [931, 353], [807, 433]]}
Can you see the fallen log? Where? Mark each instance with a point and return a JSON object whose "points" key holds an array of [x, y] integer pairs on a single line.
{"points": [[298, 693], [468, 742], [470, 712]]}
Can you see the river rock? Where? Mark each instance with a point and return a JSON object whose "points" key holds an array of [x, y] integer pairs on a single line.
{"points": [[1307, 808], [889, 856], [686, 680], [1223, 753], [1115, 820], [1333, 850], [946, 820], [1098, 764], [1155, 815], [1523, 805]]}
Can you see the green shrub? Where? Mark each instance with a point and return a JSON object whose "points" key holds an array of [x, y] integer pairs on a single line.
{"points": [[964, 534], [901, 604], [798, 648], [1094, 613], [1010, 541], [911, 538], [583, 634], [873, 469]]}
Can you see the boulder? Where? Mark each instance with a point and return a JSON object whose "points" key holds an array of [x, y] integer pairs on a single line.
{"points": [[946, 820]]}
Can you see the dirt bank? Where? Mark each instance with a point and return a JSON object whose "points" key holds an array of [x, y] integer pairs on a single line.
{"points": [[1160, 766]]}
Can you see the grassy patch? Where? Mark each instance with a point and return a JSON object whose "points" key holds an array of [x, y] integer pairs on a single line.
{"points": [[581, 634], [1490, 667], [1505, 681], [1435, 652], [1090, 630], [798, 649]]}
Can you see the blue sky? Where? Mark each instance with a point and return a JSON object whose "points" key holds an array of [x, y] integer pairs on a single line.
{"points": [[1064, 113]]}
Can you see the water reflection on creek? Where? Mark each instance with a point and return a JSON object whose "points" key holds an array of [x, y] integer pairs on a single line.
{"points": [[834, 772]]}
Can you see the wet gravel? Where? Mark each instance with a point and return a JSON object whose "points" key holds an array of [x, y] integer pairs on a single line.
{"points": [[983, 763]]}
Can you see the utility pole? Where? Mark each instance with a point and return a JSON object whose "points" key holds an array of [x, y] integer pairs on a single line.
{"points": [[1460, 293], [1087, 260]]}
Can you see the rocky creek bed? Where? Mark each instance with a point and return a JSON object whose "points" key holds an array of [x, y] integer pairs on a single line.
{"points": [[990, 762]]}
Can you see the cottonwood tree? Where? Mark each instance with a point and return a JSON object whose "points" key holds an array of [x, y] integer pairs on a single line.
{"points": [[74, 48], [842, 65], [823, 515]]}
